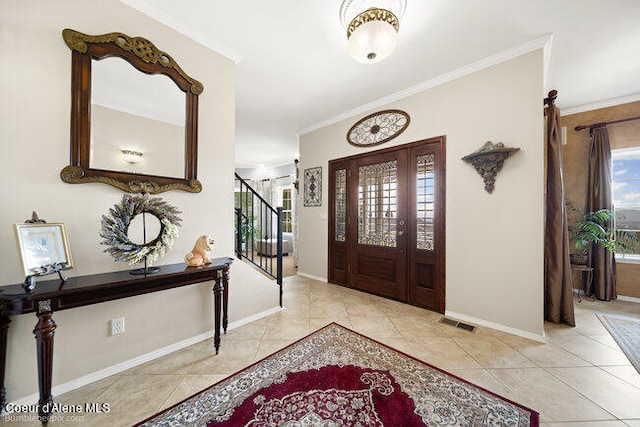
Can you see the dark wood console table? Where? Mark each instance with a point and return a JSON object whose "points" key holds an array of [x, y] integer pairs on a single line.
{"points": [[54, 295]]}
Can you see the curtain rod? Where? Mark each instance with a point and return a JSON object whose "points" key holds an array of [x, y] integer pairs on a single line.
{"points": [[278, 177], [598, 125]]}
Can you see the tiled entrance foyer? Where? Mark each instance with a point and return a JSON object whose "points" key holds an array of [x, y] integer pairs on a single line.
{"points": [[580, 378]]}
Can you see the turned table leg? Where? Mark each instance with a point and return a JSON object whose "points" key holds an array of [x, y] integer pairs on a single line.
{"points": [[218, 290], [4, 329], [225, 298], [44, 332]]}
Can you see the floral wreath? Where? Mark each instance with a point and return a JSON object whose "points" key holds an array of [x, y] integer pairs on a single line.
{"points": [[115, 227]]}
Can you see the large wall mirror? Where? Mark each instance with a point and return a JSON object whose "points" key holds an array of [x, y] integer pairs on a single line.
{"points": [[134, 116]]}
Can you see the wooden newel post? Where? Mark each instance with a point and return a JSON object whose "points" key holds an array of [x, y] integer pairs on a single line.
{"points": [[279, 249]]}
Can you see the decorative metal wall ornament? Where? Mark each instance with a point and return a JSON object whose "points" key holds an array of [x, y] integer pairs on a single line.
{"points": [[115, 227], [378, 128], [488, 161], [313, 187]]}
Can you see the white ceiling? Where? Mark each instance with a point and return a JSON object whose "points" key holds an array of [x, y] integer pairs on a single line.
{"points": [[293, 70]]}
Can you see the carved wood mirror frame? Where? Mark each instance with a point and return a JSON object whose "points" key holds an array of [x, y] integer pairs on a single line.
{"points": [[147, 58]]}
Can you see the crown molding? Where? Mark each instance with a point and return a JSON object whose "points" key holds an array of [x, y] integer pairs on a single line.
{"points": [[170, 21], [539, 43], [601, 104]]}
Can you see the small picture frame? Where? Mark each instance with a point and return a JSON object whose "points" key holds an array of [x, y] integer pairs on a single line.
{"points": [[43, 247]]}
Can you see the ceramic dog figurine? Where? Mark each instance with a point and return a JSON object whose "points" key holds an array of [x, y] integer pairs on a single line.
{"points": [[199, 254]]}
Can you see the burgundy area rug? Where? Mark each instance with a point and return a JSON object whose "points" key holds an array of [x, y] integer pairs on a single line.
{"points": [[337, 377]]}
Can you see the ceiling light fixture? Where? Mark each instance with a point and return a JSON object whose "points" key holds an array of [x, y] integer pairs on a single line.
{"points": [[372, 27]]}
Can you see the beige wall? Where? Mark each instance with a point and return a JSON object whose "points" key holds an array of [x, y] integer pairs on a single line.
{"points": [[575, 155], [494, 268], [35, 79]]}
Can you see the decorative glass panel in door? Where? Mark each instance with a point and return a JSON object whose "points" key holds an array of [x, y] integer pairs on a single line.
{"points": [[377, 204], [340, 205], [424, 201], [338, 223]]}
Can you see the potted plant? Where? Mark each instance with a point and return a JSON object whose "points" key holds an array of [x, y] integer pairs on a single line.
{"points": [[591, 228], [248, 229]]}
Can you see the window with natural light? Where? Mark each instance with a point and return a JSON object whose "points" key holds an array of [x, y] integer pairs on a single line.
{"points": [[287, 217], [626, 195]]}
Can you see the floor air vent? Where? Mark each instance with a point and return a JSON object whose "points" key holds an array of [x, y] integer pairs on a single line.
{"points": [[449, 321], [457, 324]]}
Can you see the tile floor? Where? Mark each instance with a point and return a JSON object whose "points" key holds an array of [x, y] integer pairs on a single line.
{"points": [[579, 378]]}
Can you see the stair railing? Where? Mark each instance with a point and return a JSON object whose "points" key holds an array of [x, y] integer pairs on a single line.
{"points": [[258, 231]]}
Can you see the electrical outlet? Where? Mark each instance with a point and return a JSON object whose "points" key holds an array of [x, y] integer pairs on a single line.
{"points": [[117, 326]]}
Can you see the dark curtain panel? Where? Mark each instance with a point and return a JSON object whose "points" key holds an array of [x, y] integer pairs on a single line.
{"points": [[558, 289], [599, 197]]}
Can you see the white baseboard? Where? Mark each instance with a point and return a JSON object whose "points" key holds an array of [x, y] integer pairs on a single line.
{"points": [[139, 360], [630, 299], [496, 326], [258, 316], [312, 276]]}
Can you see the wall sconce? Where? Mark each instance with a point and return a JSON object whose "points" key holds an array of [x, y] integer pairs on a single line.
{"points": [[131, 156]]}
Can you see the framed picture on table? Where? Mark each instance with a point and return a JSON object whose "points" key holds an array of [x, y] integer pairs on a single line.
{"points": [[43, 247]]}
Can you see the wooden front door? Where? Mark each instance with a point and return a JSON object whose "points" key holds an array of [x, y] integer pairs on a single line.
{"points": [[386, 232]]}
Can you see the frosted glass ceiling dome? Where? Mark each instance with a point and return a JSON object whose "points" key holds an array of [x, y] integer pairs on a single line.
{"points": [[372, 27]]}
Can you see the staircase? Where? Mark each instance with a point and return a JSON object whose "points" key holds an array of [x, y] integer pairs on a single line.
{"points": [[258, 231]]}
